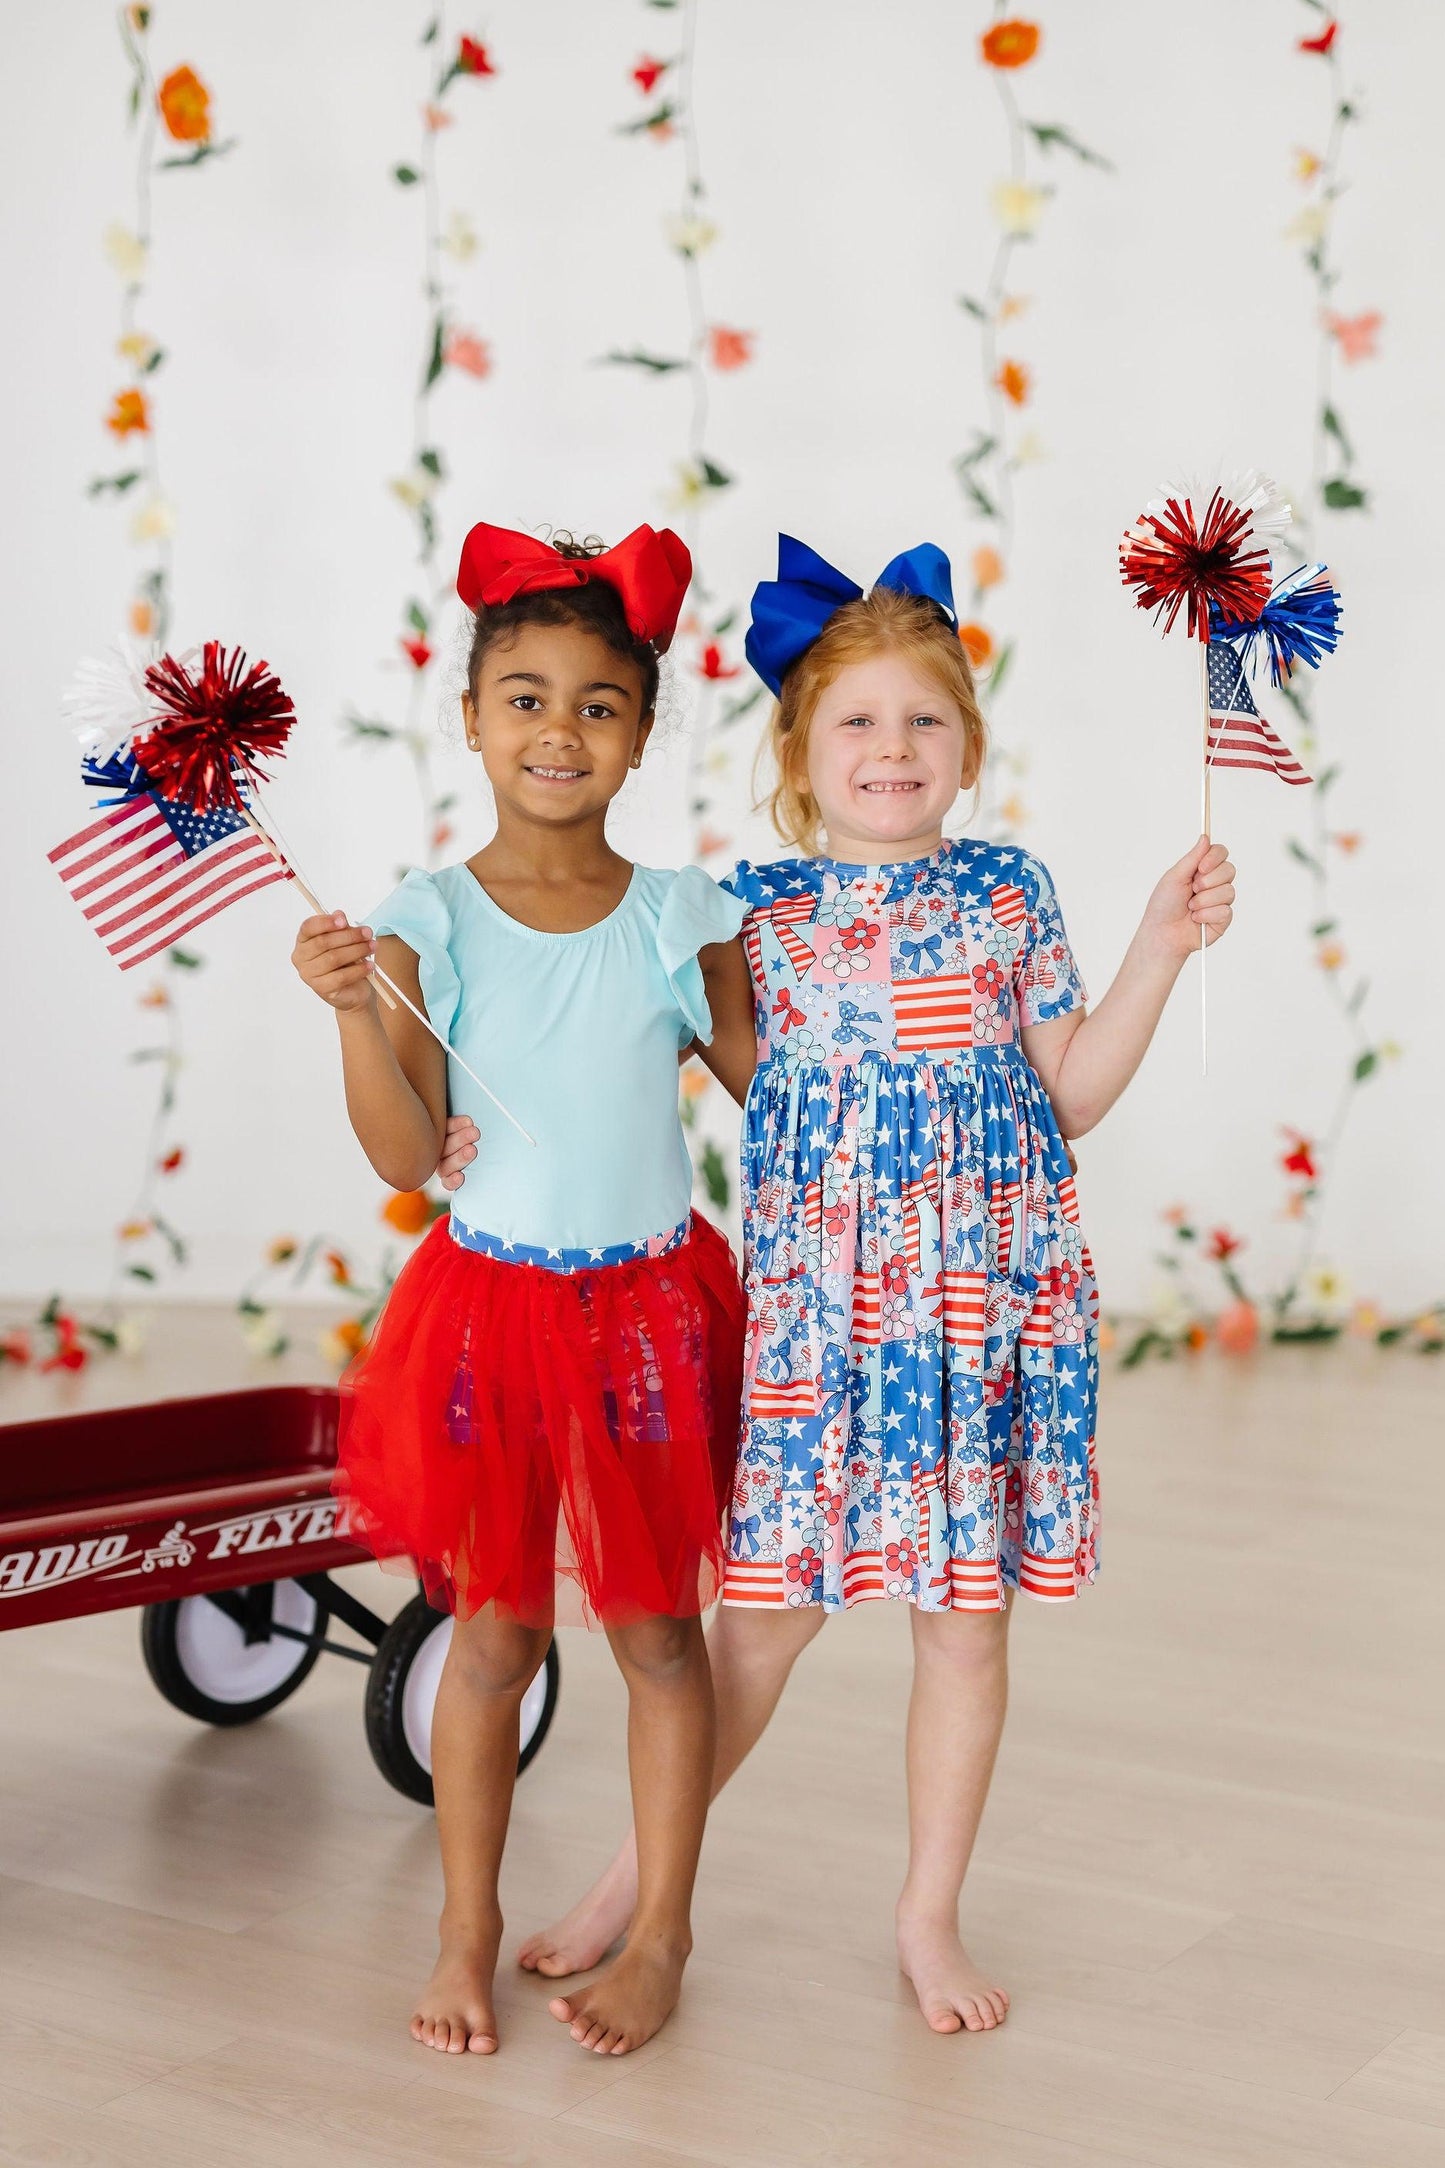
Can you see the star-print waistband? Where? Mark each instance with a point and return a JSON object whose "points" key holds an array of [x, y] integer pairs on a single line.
{"points": [[567, 1260]]}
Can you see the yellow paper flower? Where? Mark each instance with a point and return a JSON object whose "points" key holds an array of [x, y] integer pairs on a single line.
{"points": [[1329, 1288], [1030, 449], [1329, 955], [1010, 306], [137, 347], [130, 1336], [262, 1332], [688, 487], [154, 522], [689, 234], [460, 238], [1013, 812], [1306, 165], [125, 252], [1018, 206], [1309, 226], [414, 489]]}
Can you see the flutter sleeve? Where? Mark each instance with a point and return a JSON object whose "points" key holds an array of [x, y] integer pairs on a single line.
{"points": [[1046, 978], [417, 914], [695, 912]]}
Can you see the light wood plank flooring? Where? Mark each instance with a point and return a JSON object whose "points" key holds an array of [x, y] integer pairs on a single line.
{"points": [[1211, 1869]]}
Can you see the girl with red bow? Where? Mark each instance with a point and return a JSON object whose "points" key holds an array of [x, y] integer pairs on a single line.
{"points": [[550, 1402]]}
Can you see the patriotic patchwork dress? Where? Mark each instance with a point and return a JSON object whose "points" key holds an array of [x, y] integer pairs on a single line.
{"points": [[922, 1316]]}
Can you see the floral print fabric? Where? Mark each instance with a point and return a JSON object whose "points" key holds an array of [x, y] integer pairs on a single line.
{"points": [[922, 1316]]}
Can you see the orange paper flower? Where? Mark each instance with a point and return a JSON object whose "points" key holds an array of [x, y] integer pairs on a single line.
{"points": [[729, 349], [1013, 381], [128, 413], [1356, 336], [1237, 1328], [337, 1268], [141, 618], [987, 567], [1010, 44], [1348, 841], [281, 1251], [977, 644], [435, 118], [185, 105], [408, 1211]]}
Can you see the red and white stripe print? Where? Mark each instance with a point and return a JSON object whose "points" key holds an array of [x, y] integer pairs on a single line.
{"points": [[1247, 741], [1069, 1200], [1008, 904], [933, 1015], [974, 1584], [757, 1582], [770, 1398], [813, 1208], [140, 891], [1039, 1324], [786, 913], [753, 950], [1051, 1578], [963, 1308], [1001, 1206], [867, 1325]]}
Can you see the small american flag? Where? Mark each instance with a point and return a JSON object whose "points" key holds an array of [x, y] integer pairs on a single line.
{"points": [[146, 871], [1239, 736]]}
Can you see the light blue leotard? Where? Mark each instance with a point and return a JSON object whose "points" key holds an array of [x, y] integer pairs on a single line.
{"points": [[578, 1034]]}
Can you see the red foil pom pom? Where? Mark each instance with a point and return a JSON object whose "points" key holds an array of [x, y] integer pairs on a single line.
{"points": [[1177, 561], [213, 728]]}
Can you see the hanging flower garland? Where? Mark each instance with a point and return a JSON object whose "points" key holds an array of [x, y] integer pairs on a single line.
{"points": [[449, 347], [1008, 442], [172, 126], [665, 84], [1313, 1303]]}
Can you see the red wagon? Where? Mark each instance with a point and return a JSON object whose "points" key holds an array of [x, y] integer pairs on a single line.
{"points": [[217, 1517]]}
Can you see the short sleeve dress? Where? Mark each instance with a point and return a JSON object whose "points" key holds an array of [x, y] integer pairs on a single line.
{"points": [[921, 1371], [551, 1394]]}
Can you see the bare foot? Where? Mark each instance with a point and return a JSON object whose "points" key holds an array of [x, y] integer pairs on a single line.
{"points": [[454, 2010], [625, 2004], [583, 1936], [953, 1994]]}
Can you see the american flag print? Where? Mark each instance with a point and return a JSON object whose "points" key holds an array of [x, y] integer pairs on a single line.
{"points": [[148, 871], [923, 1346], [1239, 736]]}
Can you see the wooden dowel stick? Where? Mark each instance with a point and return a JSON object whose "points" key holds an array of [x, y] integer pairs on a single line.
{"points": [[1204, 829], [383, 982]]}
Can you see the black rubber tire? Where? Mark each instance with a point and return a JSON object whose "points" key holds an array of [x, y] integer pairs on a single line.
{"points": [[385, 1693], [158, 1641]]}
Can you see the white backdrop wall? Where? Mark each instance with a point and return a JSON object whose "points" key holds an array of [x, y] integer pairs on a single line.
{"points": [[849, 151]]}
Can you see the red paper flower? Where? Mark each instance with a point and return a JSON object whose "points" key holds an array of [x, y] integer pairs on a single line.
{"points": [[185, 105], [1300, 1159], [418, 652], [173, 1160], [473, 58], [729, 349], [213, 727], [1324, 43], [128, 413], [649, 73], [1222, 1245], [1010, 44], [713, 665], [70, 1352], [1177, 561]]}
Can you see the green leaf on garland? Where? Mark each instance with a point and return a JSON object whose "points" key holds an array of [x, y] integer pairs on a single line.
{"points": [[435, 360], [147, 1053], [657, 118], [1297, 851], [713, 1170], [139, 1272], [1333, 427], [431, 459], [429, 35], [982, 503], [1306, 1335], [1331, 775], [153, 361], [407, 175], [417, 618], [185, 959], [113, 484], [725, 623], [1366, 1065], [974, 308], [1321, 927], [362, 726], [739, 707], [1344, 496], [1050, 136], [714, 476], [638, 358], [1147, 1341], [197, 156], [1002, 663], [980, 448]]}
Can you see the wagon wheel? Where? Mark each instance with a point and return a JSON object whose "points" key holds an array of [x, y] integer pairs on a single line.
{"points": [[218, 1658], [402, 1690]]}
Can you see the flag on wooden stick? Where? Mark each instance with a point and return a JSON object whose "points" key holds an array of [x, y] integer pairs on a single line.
{"points": [[1239, 736]]}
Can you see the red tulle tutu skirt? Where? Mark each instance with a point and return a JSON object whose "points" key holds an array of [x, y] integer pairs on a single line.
{"points": [[522, 1434]]}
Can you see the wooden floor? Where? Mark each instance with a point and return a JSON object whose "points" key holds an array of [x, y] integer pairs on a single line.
{"points": [[1210, 1872]]}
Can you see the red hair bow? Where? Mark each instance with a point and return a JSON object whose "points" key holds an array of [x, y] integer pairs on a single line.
{"points": [[650, 572]]}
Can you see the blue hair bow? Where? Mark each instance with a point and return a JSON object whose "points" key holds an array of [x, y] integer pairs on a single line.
{"points": [[790, 611]]}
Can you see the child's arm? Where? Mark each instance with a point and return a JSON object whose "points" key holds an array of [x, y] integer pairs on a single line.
{"points": [[396, 1078], [732, 1054], [1085, 1060]]}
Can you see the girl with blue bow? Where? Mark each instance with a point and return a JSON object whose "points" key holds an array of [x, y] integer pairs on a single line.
{"points": [[921, 1380]]}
